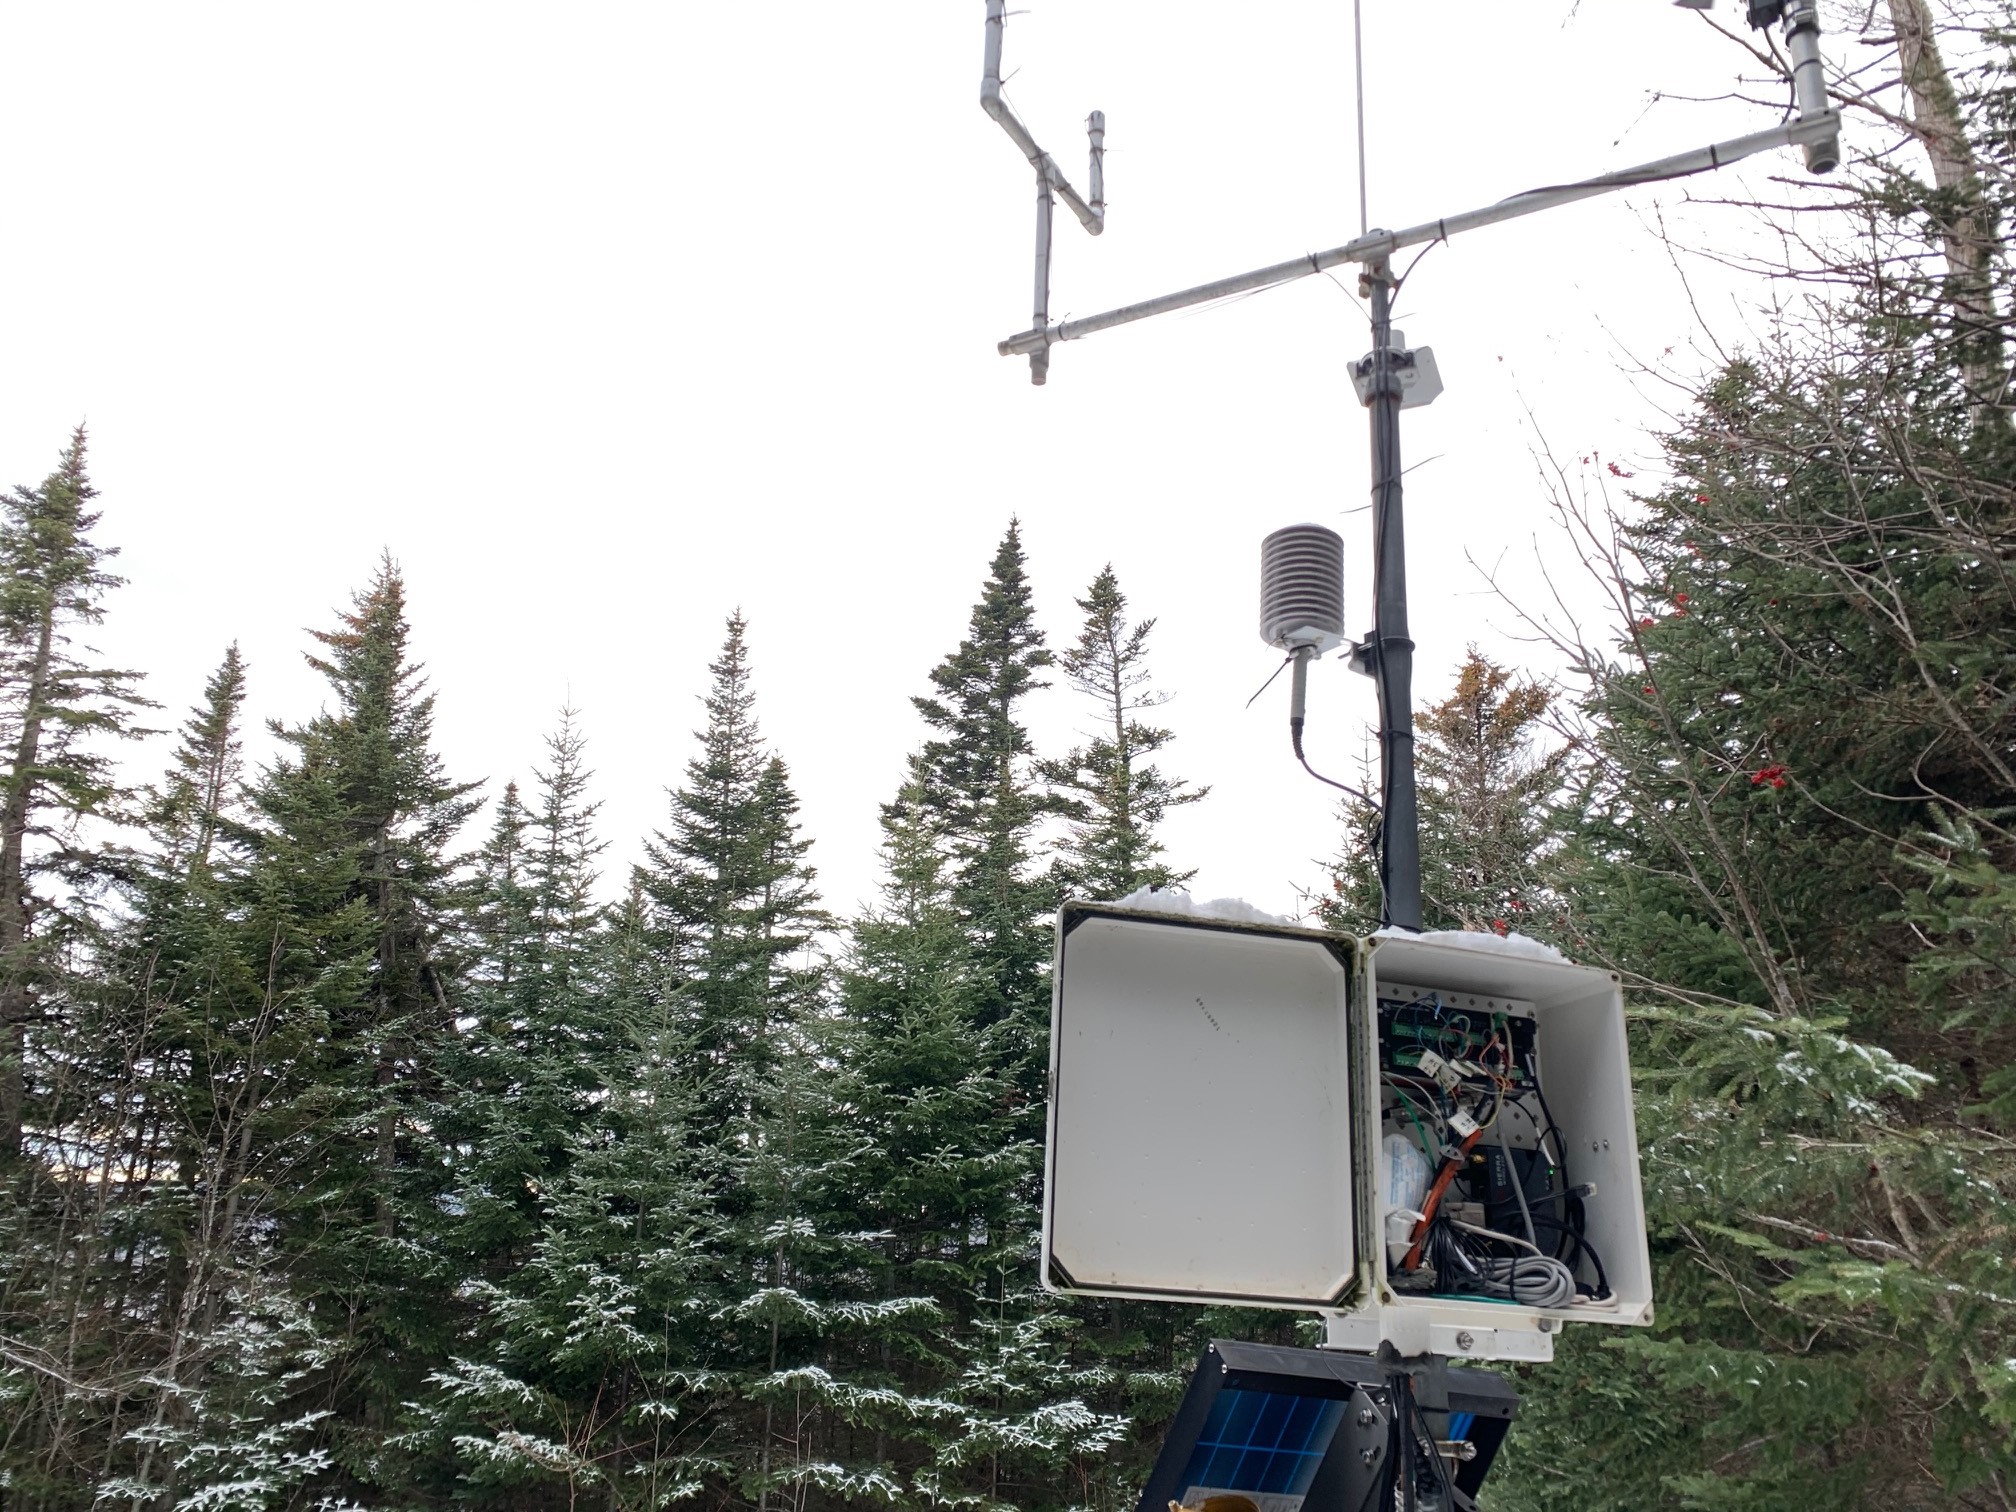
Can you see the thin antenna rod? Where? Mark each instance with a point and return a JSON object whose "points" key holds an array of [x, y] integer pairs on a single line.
{"points": [[1358, 57]]}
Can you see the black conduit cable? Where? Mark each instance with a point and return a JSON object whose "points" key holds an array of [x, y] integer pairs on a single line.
{"points": [[1434, 1451], [1298, 698]]}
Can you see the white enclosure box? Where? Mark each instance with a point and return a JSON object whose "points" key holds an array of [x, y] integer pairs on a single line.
{"points": [[1585, 1072], [1201, 1112], [1216, 1121]]}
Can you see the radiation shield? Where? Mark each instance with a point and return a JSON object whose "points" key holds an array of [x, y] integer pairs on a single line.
{"points": [[1200, 1136]]}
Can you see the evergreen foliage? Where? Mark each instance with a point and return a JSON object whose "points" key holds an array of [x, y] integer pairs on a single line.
{"points": [[1790, 828], [56, 712], [1486, 776], [1109, 789], [975, 779], [733, 896]]}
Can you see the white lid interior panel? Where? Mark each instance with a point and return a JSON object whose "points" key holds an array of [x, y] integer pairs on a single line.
{"points": [[1200, 1120]]}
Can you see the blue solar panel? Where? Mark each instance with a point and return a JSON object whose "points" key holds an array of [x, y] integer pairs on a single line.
{"points": [[1459, 1424], [1262, 1442]]}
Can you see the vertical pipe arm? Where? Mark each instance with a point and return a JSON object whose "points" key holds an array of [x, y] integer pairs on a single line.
{"points": [[1809, 80], [1095, 129], [1039, 361]]}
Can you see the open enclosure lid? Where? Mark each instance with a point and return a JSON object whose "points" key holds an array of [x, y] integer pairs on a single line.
{"points": [[1201, 1112]]}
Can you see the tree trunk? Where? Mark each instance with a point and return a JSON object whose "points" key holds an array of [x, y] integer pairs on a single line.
{"points": [[1967, 232], [16, 995]]}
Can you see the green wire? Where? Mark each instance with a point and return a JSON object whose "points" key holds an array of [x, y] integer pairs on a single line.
{"points": [[1408, 1103]]}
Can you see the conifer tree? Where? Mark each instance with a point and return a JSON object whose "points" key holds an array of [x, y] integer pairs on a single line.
{"points": [[1487, 777], [500, 904], [732, 895], [735, 911], [349, 842], [1790, 832], [1109, 789], [586, 1212], [961, 1382], [55, 710], [201, 791], [975, 777], [207, 1048], [531, 1069], [935, 1183]]}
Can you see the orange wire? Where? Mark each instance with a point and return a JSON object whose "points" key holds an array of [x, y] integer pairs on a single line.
{"points": [[1442, 1179]]}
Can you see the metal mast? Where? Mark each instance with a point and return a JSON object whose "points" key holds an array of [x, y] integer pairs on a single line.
{"points": [[1388, 653], [1391, 378]]}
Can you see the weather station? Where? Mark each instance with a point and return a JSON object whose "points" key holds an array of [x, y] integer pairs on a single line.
{"points": [[1426, 1139]]}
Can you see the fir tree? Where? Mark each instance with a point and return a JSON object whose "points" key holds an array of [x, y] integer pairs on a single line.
{"points": [[1109, 789], [201, 792]]}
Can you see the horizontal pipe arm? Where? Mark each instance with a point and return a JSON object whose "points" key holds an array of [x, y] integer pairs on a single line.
{"points": [[1377, 244]]}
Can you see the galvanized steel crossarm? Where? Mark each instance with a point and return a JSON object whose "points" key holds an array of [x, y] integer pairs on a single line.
{"points": [[1377, 244]]}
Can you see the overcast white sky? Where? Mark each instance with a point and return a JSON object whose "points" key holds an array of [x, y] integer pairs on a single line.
{"points": [[605, 319]]}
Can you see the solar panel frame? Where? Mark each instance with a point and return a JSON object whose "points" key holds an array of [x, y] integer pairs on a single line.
{"points": [[1481, 1406]]}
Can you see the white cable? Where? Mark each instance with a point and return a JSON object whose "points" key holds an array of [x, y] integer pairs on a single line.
{"points": [[1533, 1279]]}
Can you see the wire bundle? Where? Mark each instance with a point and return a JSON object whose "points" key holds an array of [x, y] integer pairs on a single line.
{"points": [[1540, 1269], [1463, 1263]]}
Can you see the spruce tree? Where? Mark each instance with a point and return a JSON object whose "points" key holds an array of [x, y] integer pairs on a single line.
{"points": [[732, 896], [541, 1049], [975, 776], [55, 711], [349, 845], [955, 1379], [201, 791], [208, 1020], [1109, 789], [584, 1212]]}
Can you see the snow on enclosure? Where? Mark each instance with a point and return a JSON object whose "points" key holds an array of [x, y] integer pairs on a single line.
{"points": [[1514, 944], [1173, 900]]}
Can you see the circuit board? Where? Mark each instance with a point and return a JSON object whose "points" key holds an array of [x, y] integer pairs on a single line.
{"points": [[1483, 1037]]}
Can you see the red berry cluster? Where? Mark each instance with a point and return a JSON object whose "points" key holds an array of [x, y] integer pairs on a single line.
{"points": [[1773, 774]]}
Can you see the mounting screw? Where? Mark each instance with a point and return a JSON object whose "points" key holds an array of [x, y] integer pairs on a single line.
{"points": [[1367, 1417], [1368, 1456], [1466, 1341], [1546, 1325]]}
